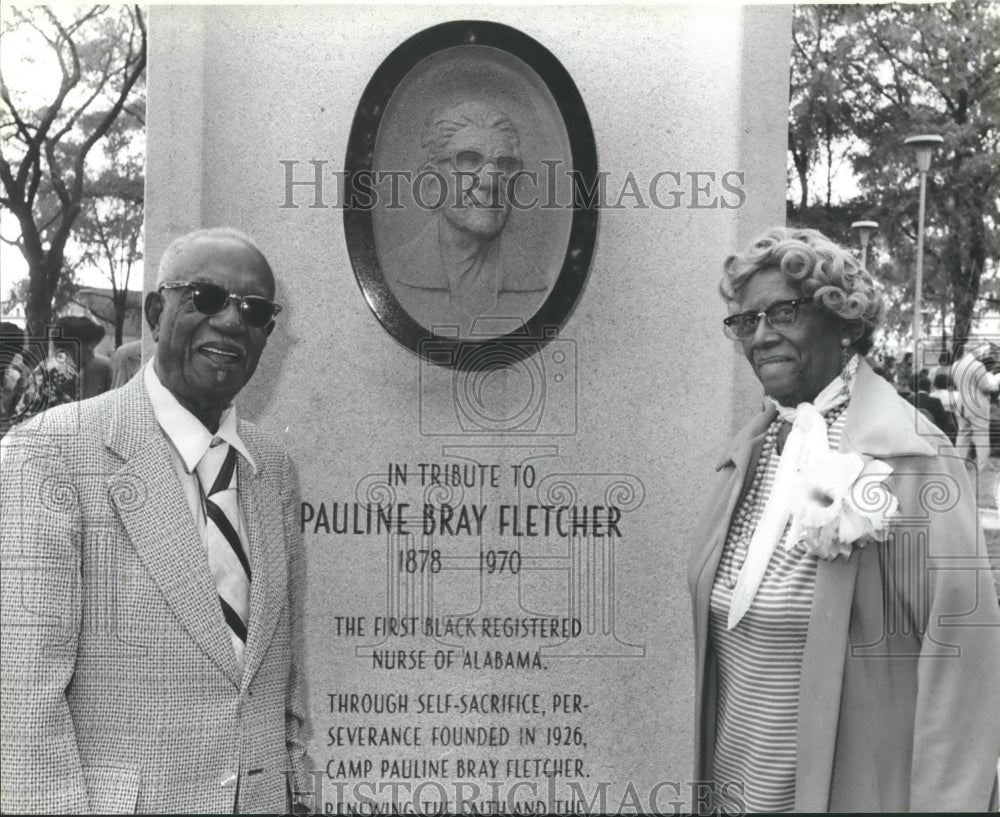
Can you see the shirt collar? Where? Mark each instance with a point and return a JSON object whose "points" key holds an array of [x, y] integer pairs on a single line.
{"points": [[185, 431]]}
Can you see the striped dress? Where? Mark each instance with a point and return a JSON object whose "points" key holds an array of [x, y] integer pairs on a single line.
{"points": [[759, 665]]}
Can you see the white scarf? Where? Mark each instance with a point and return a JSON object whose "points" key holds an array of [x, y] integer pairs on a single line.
{"points": [[808, 434]]}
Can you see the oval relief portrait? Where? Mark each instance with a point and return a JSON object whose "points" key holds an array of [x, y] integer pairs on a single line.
{"points": [[470, 169]]}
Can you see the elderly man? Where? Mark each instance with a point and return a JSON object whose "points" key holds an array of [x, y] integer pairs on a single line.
{"points": [[973, 386], [150, 571], [454, 271]]}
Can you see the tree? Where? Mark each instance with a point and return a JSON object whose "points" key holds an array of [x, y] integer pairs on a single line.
{"points": [[64, 295], [943, 77], [819, 114], [108, 232], [98, 55], [911, 69]]}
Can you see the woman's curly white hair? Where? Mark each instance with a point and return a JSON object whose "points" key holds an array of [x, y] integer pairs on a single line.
{"points": [[822, 269]]}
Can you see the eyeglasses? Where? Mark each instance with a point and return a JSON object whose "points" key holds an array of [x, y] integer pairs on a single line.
{"points": [[472, 161], [211, 299], [780, 315]]}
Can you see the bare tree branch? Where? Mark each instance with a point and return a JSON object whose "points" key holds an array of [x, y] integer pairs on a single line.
{"points": [[44, 162]]}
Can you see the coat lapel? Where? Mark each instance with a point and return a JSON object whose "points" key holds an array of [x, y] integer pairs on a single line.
{"points": [[262, 512], [877, 424], [744, 451], [722, 511], [821, 681], [151, 505]]}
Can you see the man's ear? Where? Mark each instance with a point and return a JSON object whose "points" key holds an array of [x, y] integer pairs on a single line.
{"points": [[153, 308]]}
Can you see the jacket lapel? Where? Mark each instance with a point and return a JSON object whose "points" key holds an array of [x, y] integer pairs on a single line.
{"points": [[821, 681], [744, 451], [152, 507], [877, 424], [262, 512]]}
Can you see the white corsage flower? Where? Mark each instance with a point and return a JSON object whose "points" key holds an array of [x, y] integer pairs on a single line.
{"points": [[840, 502]]}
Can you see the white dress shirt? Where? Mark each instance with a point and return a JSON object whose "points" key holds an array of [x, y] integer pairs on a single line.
{"points": [[189, 440]]}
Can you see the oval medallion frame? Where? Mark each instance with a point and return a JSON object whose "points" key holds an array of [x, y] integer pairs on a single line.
{"points": [[552, 229]]}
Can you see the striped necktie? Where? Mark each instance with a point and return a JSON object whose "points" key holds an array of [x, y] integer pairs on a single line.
{"points": [[227, 556]]}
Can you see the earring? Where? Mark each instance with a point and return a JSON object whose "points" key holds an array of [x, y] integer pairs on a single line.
{"points": [[845, 359]]}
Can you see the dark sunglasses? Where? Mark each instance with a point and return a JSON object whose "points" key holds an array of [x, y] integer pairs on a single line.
{"points": [[211, 299]]}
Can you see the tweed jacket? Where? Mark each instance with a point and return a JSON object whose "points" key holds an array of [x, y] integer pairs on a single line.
{"points": [[899, 696], [120, 687]]}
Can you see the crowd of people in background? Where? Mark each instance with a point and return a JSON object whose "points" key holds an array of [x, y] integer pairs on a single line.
{"points": [[37, 375], [960, 397]]}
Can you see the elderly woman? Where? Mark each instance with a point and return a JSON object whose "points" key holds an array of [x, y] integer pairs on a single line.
{"points": [[847, 630]]}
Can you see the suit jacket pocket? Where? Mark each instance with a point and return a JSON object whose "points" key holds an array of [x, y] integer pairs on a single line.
{"points": [[112, 789]]}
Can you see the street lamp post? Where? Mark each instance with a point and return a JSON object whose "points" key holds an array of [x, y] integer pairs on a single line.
{"points": [[865, 229], [923, 145]]}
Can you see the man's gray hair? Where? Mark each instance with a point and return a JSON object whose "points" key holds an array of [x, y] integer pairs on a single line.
{"points": [[178, 246], [442, 124]]}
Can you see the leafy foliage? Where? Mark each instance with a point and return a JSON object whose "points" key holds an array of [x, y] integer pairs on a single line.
{"points": [[900, 70], [108, 232], [49, 168]]}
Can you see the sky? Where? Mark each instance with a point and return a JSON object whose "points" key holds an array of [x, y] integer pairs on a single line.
{"points": [[34, 80], [43, 78]]}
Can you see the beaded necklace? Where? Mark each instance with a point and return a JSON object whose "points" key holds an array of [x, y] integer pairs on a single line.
{"points": [[748, 514]]}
